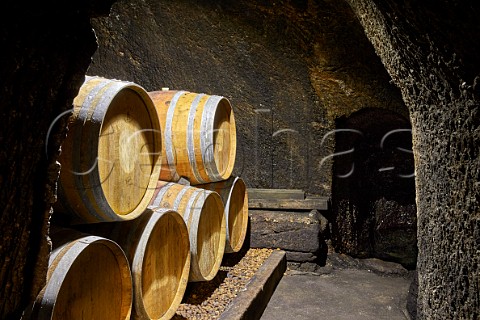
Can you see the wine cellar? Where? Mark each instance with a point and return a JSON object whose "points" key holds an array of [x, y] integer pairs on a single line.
{"points": [[239, 159]]}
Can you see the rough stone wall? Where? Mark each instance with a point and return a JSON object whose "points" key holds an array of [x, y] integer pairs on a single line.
{"points": [[290, 68], [46, 50], [431, 51]]}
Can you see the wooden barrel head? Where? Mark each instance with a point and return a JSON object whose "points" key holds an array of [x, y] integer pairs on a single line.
{"points": [[237, 219], [202, 211], [233, 192], [111, 158], [165, 265], [126, 152], [88, 278], [210, 236], [224, 139], [199, 136], [90, 288]]}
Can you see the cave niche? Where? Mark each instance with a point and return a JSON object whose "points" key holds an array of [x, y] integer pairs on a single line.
{"points": [[373, 196]]}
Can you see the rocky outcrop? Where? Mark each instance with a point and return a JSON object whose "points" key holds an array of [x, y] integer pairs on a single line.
{"points": [[431, 51], [46, 50]]}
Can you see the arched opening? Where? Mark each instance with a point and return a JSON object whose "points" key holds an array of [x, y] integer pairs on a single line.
{"points": [[373, 196]]}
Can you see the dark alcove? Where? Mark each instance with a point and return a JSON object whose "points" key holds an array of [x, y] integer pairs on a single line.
{"points": [[373, 198]]}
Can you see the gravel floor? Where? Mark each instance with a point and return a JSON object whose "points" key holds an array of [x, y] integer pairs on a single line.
{"points": [[207, 300]]}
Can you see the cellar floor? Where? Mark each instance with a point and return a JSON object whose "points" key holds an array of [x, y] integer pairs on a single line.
{"points": [[339, 294], [345, 288]]}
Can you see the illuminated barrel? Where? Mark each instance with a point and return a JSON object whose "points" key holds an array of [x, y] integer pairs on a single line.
{"points": [[158, 249], [88, 278], [202, 211], [199, 136], [235, 198], [111, 156]]}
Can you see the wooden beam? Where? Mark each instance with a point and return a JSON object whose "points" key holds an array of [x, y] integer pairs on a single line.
{"points": [[319, 203], [270, 194]]}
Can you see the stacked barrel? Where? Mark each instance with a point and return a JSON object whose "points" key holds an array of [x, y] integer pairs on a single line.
{"points": [[199, 148], [146, 202]]}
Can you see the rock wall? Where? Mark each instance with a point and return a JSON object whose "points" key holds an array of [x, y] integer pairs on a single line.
{"points": [[431, 51], [289, 68], [46, 50]]}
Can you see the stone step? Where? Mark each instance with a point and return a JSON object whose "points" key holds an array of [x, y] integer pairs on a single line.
{"points": [[300, 234]]}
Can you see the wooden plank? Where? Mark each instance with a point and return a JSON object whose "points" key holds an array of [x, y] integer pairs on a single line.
{"points": [[295, 194], [251, 302], [319, 203]]}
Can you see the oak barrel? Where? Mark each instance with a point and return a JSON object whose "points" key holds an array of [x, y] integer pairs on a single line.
{"points": [[235, 198], [88, 278], [202, 211], [158, 249], [111, 156], [199, 136]]}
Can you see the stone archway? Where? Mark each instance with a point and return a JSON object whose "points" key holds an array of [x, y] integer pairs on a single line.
{"points": [[373, 196]]}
